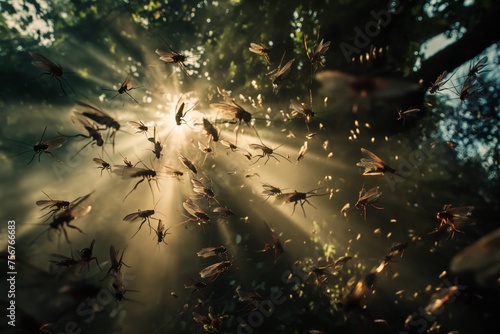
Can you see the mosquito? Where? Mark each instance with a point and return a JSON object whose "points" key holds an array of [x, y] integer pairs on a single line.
{"points": [[260, 50], [297, 197], [267, 152], [64, 261], [280, 73], [54, 205], [469, 88], [303, 110], [172, 172], [196, 213], [161, 232], [43, 146], [187, 163], [373, 165], [270, 190], [215, 270], [100, 117], [139, 126], [277, 247], [77, 209], [316, 54], [437, 85], [103, 165], [368, 198], [125, 88], [93, 133], [474, 71], [118, 290], [137, 172], [145, 215], [157, 145], [211, 322], [223, 211], [203, 190], [454, 218], [86, 256], [55, 71], [116, 264], [172, 57], [211, 251], [234, 148]]}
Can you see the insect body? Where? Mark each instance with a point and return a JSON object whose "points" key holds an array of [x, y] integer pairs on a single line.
{"points": [[368, 198], [453, 217], [267, 152], [297, 197], [260, 50], [216, 269], [43, 146], [55, 71], [145, 215], [103, 165], [172, 57], [100, 117], [373, 165], [161, 232]]}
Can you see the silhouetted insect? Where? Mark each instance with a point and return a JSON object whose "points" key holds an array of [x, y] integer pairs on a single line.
{"points": [[279, 74], [454, 218], [206, 150], [266, 152], [316, 53], [93, 133], [469, 87], [125, 87], [43, 146], [368, 198], [270, 190], [100, 117], [211, 251], [54, 205], [252, 299], [86, 256], [161, 232], [303, 110], [373, 165], [116, 264], [211, 130], [224, 213], [203, 190], [297, 197], [277, 247], [436, 86], [215, 270], [145, 215], [196, 286], [180, 113], [117, 288], [196, 213], [172, 57], [408, 112], [55, 71], [211, 323], [139, 126], [174, 173], [157, 145], [260, 50], [64, 261], [137, 172], [77, 209], [103, 165], [474, 71], [234, 148], [187, 163], [233, 111]]}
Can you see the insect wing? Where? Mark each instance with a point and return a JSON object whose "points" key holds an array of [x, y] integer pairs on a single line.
{"points": [[215, 269], [132, 217], [44, 63]]}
